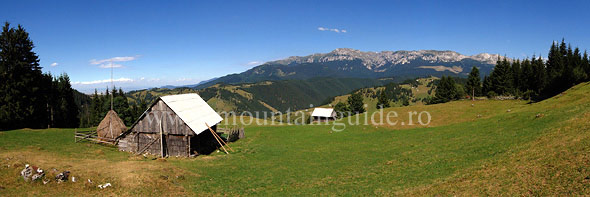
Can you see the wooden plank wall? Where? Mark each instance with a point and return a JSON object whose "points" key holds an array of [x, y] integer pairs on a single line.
{"points": [[171, 123], [174, 145]]}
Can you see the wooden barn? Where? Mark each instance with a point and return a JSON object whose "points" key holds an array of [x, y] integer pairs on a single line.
{"points": [[175, 125], [323, 114]]}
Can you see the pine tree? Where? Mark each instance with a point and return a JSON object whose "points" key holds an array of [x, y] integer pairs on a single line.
{"points": [[341, 109], [355, 103], [554, 70], [96, 108], [382, 100], [486, 87], [578, 73], [501, 77], [586, 65], [473, 85], [22, 103], [68, 106], [516, 72], [446, 90], [526, 76]]}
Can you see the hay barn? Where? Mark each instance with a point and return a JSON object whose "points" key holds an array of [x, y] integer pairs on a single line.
{"points": [[174, 125], [323, 114], [110, 127]]}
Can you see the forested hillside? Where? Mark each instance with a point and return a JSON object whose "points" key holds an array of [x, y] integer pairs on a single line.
{"points": [[267, 95]]}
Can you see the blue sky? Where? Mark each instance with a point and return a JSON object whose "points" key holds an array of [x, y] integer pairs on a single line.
{"points": [[183, 42]]}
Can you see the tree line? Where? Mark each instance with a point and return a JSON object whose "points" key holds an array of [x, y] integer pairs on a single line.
{"points": [[391, 92], [531, 79], [100, 105], [30, 98]]}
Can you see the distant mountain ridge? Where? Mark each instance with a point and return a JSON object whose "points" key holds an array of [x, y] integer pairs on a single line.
{"points": [[345, 62], [376, 60]]}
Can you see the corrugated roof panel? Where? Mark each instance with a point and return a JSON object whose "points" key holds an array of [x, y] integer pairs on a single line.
{"points": [[322, 112], [193, 110]]}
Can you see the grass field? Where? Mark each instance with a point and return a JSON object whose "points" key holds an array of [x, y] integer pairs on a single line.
{"points": [[488, 148]]}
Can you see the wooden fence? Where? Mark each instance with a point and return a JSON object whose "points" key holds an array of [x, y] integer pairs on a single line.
{"points": [[91, 136], [233, 133]]}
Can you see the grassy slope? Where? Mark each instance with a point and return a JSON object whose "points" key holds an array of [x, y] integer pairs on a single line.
{"points": [[499, 153]]}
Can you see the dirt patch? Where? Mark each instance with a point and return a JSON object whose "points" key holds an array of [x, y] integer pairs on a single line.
{"points": [[129, 177]]}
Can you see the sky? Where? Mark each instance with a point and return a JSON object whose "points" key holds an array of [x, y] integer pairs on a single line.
{"points": [[157, 43]]}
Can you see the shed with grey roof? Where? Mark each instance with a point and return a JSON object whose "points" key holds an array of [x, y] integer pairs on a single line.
{"points": [[175, 125]]}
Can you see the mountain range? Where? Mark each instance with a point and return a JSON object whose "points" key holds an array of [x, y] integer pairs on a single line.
{"points": [[345, 62]]}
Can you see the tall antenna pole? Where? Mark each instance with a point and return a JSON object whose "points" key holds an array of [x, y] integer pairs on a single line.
{"points": [[112, 84], [113, 89]]}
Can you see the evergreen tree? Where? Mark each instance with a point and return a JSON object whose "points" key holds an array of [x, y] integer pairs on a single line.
{"points": [[501, 77], [556, 69], [64, 109], [341, 109], [586, 65], [355, 103], [487, 86], [578, 73], [473, 86], [121, 106], [22, 84], [96, 109], [382, 100], [516, 72], [527, 76], [446, 90], [540, 75]]}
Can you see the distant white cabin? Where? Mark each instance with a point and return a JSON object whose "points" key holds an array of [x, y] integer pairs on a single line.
{"points": [[323, 114]]}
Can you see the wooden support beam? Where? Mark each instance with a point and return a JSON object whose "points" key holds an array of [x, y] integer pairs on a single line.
{"points": [[212, 132], [215, 134]]}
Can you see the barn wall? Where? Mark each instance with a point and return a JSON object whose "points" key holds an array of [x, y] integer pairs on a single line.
{"points": [[180, 140], [128, 143], [160, 112], [177, 145], [174, 145]]}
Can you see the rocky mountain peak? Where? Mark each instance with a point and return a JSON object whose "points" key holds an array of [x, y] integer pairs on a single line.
{"points": [[377, 60]]}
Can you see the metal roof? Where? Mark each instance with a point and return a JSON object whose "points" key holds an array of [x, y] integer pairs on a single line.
{"points": [[193, 110], [323, 112]]}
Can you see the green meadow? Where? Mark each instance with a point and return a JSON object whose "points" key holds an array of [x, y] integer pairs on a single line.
{"points": [[470, 148]]}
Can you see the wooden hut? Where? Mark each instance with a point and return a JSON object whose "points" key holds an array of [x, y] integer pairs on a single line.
{"points": [[110, 127], [175, 125], [323, 114]]}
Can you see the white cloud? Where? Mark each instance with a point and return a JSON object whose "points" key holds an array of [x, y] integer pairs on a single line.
{"points": [[183, 79], [102, 81], [108, 63], [332, 29], [114, 59], [253, 63], [54, 64]]}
